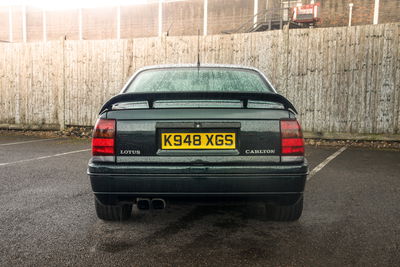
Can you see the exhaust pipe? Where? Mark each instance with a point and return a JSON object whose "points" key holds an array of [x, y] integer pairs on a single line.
{"points": [[143, 203], [158, 203]]}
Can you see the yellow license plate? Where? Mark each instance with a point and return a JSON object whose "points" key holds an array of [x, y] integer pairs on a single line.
{"points": [[198, 141]]}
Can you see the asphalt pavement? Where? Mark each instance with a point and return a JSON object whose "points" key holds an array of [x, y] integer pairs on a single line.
{"points": [[351, 216]]}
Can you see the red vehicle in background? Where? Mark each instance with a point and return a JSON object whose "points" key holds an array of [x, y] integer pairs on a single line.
{"points": [[306, 13]]}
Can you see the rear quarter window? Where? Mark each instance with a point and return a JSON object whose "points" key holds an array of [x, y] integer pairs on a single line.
{"points": [[199, 80]]}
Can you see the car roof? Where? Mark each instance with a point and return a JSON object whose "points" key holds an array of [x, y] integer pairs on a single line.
{"points": [[167, 66], [170, 66]]}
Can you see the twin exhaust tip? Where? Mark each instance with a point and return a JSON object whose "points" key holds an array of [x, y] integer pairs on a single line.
{"points": [[155, 203]]}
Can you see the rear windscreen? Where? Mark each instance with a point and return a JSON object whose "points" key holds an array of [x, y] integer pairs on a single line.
{"points": [[198, 80]]}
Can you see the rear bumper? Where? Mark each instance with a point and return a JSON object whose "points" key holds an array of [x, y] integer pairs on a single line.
{"points": [[197, 181]]}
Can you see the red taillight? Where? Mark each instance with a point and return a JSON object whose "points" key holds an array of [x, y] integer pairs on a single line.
{"points": [[103, 143], [291, 138]]}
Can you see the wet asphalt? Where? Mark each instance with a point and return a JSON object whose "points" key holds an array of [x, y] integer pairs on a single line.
{"points": [[351, 217]]}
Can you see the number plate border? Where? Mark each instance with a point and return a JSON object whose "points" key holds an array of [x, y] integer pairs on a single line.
{"points": [[194, 131]]}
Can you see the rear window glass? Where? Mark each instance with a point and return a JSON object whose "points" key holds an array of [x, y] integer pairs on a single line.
{"points": [[198, 80]]}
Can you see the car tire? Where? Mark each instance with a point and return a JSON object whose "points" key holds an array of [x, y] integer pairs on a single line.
{"points": [[285, 213], [113, 212]]}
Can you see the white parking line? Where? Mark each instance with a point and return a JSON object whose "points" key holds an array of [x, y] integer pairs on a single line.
{"points": [[44, 157], [325, 162], [31, 141]]}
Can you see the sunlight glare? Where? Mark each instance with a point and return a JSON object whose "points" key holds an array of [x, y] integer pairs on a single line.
{"points": [[71, 4]]}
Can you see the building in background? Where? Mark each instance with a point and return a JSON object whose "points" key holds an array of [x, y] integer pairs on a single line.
{"points": [[184, 17], [336, 12]]}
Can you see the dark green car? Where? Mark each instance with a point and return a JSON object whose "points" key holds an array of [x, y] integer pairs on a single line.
{"points": [[210, 132]]}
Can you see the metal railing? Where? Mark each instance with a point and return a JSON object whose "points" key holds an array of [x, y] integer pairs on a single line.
{"points": [[268, 18]]}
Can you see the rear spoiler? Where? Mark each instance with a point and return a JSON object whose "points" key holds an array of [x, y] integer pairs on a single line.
{"points": [[152, 97]]}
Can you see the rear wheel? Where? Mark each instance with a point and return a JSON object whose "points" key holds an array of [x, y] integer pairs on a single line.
{"points": [[286, 213], [113, 212]]}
